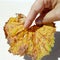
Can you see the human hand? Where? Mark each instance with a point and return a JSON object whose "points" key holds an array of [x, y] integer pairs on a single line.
{"points": [[49, 12]]}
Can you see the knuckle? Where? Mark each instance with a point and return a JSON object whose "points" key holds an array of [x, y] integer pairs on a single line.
{"points": [[47, 3], [54, 2], [35, 8]]}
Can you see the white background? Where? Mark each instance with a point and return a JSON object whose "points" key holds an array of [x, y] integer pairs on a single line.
{"points": [[9, 8]]}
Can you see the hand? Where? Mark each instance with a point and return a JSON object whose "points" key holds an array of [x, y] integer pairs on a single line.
{"points": [[49, 12]]}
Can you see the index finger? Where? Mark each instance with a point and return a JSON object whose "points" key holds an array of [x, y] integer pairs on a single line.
{"points": [[36, 8]]}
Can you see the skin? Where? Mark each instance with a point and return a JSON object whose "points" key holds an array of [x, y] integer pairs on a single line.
{"points": [[49, 11]]}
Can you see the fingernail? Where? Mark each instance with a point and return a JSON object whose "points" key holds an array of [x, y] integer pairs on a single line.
{"points": [[38, 22]]}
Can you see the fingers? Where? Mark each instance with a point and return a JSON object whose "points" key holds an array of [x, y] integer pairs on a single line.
{"points": [[38, 21], [50, 17], [47, 17], [36, 8]]}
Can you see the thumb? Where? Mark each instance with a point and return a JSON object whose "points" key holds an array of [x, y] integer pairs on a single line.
{"points": [[50, 17]]}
